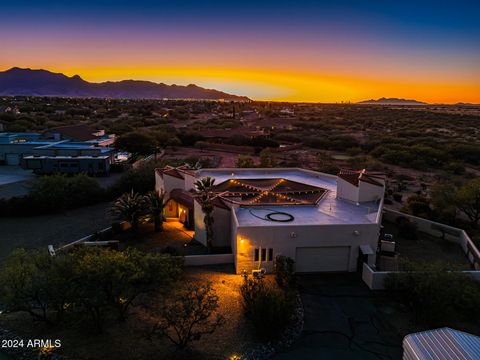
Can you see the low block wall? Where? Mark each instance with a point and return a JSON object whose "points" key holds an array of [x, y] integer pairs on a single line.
{"points": [[212, 259], [450, 233], [375, 280]]}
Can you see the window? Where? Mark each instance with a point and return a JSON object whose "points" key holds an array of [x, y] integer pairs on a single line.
{"points": [[264, 254]]}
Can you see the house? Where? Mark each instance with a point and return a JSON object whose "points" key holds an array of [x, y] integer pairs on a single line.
{"points": [[47, 156], [82, 133], [323, 222]]}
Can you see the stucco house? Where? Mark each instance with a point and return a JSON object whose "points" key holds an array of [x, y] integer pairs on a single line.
{"points": [[323, 222]]}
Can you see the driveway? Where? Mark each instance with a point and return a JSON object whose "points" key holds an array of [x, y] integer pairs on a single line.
{"points": [[343, 320]]}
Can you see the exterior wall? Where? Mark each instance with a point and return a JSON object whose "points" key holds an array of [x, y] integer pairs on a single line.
{"points": [[221, 226], [200, 234], [171, 210], [369, 192], [171, 182], [211, 259], [189, 182], [22, 149], [284, 240], [159, 183], [347, 191]]}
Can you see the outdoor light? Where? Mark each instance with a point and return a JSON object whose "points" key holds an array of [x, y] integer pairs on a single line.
{"points": [[356, 232]]}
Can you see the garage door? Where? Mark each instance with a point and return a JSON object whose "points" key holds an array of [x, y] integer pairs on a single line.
{"points": [[315, 259], [12, 159]]}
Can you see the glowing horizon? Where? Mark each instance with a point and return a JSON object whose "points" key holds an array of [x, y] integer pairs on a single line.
{"points": [[310, 51]]}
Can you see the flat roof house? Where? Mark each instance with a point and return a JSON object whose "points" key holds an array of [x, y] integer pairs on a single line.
{"points": [[82, 133], [323, 222]]}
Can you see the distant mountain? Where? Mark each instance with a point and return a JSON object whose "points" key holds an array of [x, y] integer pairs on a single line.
{"points": [[30, 82], [392, 101]]}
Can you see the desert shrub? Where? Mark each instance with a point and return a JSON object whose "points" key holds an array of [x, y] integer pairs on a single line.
{"points": [[91, 283], [54, 193], [269, 310], [188, 314], [434, 294], [397, 197], [418, 205], [140, 180], [284, 271]]}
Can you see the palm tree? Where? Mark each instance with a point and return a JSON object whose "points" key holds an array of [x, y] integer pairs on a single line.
{"points": [[155, 204], [204, 187], [129, 207]]}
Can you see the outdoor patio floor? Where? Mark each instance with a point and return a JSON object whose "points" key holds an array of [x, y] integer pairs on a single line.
{"points": [[174, 235], [426, 248]]}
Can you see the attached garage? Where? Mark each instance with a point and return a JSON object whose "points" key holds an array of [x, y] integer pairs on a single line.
{"points": [[12, 159], [317, 259]]}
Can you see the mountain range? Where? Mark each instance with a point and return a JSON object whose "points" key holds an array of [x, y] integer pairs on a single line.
{"points": [[28, 82], [392, 101]]}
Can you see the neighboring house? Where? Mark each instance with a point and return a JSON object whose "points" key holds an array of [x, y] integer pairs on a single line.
{"points": [[47, 156], [80, 132], [444, 343], [323, 222]]}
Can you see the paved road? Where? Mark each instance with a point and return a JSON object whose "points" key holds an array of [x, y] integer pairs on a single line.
{"points": [[342, 322], [14, 181]]}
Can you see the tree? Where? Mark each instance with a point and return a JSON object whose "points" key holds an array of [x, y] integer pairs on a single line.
{"points": [[129, 207], [244, 161], [94, 282], [204, 187], [418, 205], [434, 293], [137, 142], [267, 160], [284, 271], [467, 200], [269, 310], [442, 196], [189, 315], [155, 202]]}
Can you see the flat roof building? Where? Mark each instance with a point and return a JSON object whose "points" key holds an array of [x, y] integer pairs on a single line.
{"points": [[323, 222]]}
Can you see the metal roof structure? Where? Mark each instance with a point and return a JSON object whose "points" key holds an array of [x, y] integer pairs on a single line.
{"points": [[441, 344]]}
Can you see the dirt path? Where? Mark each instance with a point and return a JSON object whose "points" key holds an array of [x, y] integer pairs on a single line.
{"points": [[52, 229]]}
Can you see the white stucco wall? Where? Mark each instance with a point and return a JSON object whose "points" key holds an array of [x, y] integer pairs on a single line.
{"points": [[221, 226], [347, 191], [286, 239], [171, 182], [189, 182], [159, 184], [369, 192]]}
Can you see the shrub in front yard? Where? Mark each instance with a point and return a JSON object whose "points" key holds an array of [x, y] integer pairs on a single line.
{"points": [[90, 283], [188, 315], [54, 193], [284, 271], [269, 310], [434, 294]]}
